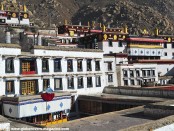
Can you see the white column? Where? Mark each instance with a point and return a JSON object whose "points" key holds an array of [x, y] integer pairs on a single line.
{"points": [[75, 65], [17, 86], [39, 66], [40, 85], [17, 66], [64, 65], [65, 83], [51, 66], [84, 65], [51, 83], [75, 83]]}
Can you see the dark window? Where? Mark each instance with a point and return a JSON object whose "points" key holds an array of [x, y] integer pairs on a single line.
{"points": [[46, 83], [120, 44], [131, 73], [80, 82], [58, 84], [69, 65], [137, 73], [165, 53], [148, 73], [110, 78], [165, 45], [109, 66], [57, 65], [153, 72], [132, 82], [172, 45], [144, 73], [125, 73], [97, 65], [79, 65], [70, 83], [138, 82], [98, 81], [89, 82], [89, 66], [110, 52], [173, 54], [10, 87], [45, 65], [10, 65], [110, 43], [125, 82]]}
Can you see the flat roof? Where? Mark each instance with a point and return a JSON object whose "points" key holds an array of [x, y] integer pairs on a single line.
{"points": [[66, 49], [116, 98], [112, 121], [31, 97], [10, 45], [160, 61]]}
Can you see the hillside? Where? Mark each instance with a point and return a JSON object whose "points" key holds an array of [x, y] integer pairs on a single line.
{"points": [[137, 14]]}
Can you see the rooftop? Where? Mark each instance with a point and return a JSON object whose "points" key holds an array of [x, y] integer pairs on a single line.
{"points": [[112, 121], [9, 45], [31, 97], [66, 49]]}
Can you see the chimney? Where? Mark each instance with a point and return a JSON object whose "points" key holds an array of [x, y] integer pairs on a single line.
{"points": [[8, 37]]}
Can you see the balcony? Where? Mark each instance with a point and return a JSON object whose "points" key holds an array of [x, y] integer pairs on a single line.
{"points": [[28, 72]]}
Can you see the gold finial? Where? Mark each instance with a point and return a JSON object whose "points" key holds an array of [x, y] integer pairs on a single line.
{"points": [[104, 28], [65, 22], [126, 29], [2, 7], [25, 8], [145, 32], [156, 32]]}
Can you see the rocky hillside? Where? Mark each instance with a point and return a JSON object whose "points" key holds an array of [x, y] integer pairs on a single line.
{"points": [[137, 14]]}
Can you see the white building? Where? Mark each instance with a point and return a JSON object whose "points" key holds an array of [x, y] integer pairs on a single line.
{"points": [[136, 74]]}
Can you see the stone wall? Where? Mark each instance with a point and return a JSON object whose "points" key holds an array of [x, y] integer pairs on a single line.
{"points": [[147, 92]]}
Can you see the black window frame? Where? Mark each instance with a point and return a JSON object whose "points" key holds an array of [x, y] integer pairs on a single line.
{"points": [[172, 45], [137, 73], [110, 76], [131, 73], [109, 66], [89, 82], [165, 53], [46, 64], [125, 73], [132, 83], [48, 84], [97, 65], [69, 65], [80, 65], [98, 78], [80, 83], [110, 43], [165, 45], [125, 82], [11, 60], [89, 64], [120, 44], [57, 65], [13, 87], [61, 84], [72, 82]]}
